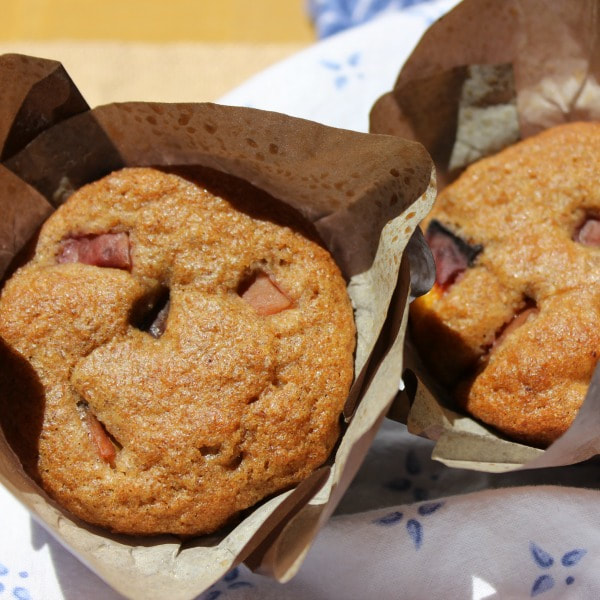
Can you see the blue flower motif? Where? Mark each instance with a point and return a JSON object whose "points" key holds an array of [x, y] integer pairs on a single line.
{"points": [[413, 466], [544, 560], [572, 558], [18, 592], [414, 480], [414, 527], [239, 584], [344, 70], [232, 575], [230, 581], [390, 519], [430, 508], [332, 16], [415, 530], [542, 584], [400, 484]]}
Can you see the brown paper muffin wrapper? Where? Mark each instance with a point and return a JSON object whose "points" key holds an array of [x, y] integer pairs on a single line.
{"points": [[365, 195], [484, 76]]}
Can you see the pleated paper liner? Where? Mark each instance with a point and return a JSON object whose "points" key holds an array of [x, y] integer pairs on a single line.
{"points": [[482, 77], [365, 195]]}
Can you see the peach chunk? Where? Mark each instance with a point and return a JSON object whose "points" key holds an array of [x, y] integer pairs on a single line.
{"points": [[103, 250], [589, 233], [104, 447], [265, 296], [451, 254], [515, 323]]}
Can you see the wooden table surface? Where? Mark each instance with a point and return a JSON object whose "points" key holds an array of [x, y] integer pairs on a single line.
{"points": [[183, 50]]}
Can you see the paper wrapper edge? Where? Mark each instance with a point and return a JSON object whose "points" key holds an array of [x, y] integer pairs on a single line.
{"points": [[365, 202], [284, 557], [483, 59]]}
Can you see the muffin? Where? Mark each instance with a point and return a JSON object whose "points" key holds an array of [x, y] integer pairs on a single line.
{"points": [[179, 347], [510, 326]]}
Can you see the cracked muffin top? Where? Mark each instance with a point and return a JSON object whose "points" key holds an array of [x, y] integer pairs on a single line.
{"points": [[179, 347], [511, 325]]}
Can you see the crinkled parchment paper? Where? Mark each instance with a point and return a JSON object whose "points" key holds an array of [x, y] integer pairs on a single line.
{"points": [[485, 75], [365, 194]]}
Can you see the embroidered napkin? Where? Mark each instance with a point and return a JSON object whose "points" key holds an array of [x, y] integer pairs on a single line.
{"points": [[408, 527], [530, 539], [332, 16]]}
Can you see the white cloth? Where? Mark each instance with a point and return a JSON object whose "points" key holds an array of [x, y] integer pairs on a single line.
{"points": [[509, 536]]}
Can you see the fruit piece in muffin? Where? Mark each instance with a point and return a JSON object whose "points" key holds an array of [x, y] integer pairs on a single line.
{"points": [[191, 342], [513, 332]]}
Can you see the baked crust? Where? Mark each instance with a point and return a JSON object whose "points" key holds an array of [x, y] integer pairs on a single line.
{"points": [[525, 207], [224, 407]]}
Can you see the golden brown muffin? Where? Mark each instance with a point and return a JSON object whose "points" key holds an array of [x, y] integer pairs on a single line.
{"points": [[186, 350], [511, 325]]}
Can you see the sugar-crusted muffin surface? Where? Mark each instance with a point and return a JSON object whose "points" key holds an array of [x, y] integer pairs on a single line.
{"points": [[514, 334], [163, 397]]}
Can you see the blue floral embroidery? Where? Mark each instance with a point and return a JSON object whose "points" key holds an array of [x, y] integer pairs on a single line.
{"points": [[239, 584], [232, 575], [544, 560], [413, 466], [332, 16], [415, 476], [230, 581], [390, 519], [344, 70], [572, 558], [542, 584], [415, 530], [414, 527], [400, 484], [18, 592], [428, 509]]}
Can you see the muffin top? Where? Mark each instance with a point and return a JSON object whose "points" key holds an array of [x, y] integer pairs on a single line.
{"points": [[185, 343], [511, 324]]}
